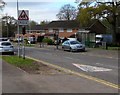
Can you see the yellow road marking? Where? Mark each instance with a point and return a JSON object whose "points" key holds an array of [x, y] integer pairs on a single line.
{"points": [[79, 74]]}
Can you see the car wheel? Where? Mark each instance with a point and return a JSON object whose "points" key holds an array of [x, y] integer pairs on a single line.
{"points": [[63, 48], [83, 50], [71, 50]]}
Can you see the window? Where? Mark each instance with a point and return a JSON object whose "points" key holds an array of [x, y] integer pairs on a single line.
{"points": [[50, 30], [66, 42], [30, 32], [61, 30], [6, 44], [74, 42], [69, 30], [38, 32]]}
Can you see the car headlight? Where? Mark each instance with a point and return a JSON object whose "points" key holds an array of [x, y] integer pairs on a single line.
{"points": [[73, 47]]}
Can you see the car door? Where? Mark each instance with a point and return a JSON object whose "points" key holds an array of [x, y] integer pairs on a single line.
{"points": [[67, 45]]}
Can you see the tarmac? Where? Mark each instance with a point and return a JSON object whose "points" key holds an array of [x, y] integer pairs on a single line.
{"points": [[15, 80]]}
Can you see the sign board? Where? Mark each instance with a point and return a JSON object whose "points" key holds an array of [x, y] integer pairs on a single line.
{"points": [[23, 17]]}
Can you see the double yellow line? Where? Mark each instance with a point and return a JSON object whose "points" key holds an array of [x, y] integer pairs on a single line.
{"points": [[79, 74]]}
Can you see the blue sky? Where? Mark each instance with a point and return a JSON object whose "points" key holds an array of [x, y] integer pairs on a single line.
{"points": [[38, 11]]}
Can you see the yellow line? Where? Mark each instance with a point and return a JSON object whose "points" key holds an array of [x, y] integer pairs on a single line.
{"points": [[79, 74]]}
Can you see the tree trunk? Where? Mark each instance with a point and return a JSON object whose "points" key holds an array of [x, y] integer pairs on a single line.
{"points": [[114, 35]]}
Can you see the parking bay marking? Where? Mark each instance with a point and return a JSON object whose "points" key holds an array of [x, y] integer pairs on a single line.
{"points": [[88, 68]]}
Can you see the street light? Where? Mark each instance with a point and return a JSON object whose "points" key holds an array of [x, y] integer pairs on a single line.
{"points": [[6, 24], [18, 31]]}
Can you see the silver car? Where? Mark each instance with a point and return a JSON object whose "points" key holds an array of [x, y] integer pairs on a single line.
{"points": [[73, 46], [6, 47]]}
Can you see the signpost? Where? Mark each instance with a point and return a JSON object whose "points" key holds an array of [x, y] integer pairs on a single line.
{"points": [[23, 20]]}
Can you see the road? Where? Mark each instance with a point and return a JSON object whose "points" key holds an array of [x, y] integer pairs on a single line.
{"points": [[73, 61], [22, 82]]}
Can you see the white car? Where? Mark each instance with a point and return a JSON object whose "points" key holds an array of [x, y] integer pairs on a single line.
{"points": [[6, 47], [73, 45]]}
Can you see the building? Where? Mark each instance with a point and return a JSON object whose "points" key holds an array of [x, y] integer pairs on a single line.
{"points": [[32, 32], [71, 28], [64, 28]]}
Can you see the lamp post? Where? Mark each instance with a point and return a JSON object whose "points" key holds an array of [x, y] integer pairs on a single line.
{"points": [[57, 33], [18, 31]]}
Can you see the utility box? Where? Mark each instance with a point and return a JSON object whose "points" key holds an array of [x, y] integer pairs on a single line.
{"points": [[104, 45]]}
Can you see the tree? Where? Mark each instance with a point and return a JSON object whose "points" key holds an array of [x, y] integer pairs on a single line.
{"points": [[44, 22], [32, 23], [100, 10], [9, 26], [40, 39], [2, 4], [67, 12]]}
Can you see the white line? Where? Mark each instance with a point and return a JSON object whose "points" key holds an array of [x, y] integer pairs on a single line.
{"points": [[68, 57]]}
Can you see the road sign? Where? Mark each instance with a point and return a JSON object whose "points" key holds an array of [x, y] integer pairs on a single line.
{"points": [[22, 22], [23, 18]]}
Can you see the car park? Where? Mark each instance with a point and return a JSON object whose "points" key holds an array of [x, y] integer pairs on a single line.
{"points": [[6, 47], [73, 45]]}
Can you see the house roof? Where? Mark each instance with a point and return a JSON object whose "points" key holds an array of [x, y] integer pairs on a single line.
{"points": [[38, 27], [63, 24]]}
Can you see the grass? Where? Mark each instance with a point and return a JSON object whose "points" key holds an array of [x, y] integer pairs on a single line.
{"points": [[113, 48], [27, 45], [15, 60]]}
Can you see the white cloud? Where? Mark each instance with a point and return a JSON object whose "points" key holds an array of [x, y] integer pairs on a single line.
{"points": [[40, 0], [38, 11]]}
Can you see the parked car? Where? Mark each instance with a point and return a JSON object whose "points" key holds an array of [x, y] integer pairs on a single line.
{"points": [[4, 39], [6, 47], [73, 45], [104, 38]]}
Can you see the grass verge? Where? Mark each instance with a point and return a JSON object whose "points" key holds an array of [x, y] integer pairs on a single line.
{"points": [[31, 66], [15, 60], [113, 48]]}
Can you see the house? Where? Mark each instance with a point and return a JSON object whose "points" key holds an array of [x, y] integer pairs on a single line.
{"points": [[68, 29], [71, 28], [32, 32]]}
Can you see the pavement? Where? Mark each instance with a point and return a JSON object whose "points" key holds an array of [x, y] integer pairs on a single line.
{"points": [[15, 80]]}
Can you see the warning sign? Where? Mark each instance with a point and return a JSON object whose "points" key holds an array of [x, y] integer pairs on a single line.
{"points": [[23, 15]]}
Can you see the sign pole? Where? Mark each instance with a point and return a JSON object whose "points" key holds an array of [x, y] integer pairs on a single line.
{"points": [[18, 31]]}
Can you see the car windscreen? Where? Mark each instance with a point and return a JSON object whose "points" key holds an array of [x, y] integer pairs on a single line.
{"points": [[6, 44], [3, 39], [74, 42]]}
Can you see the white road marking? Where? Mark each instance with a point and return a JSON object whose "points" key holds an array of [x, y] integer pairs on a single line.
{"points": [[68, 57], [88, 68]]}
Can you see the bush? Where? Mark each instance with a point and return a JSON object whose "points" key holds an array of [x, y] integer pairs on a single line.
{"points": [[48, 41], [25, 41]]}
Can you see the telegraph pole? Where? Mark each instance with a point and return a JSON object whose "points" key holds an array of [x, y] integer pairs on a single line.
{"points": [[18, 30]]}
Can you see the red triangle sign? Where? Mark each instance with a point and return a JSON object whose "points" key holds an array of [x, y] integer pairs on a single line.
{"points": [[23, 16]]}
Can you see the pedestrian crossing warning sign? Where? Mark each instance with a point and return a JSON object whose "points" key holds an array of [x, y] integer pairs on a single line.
{"points": [[23, 15]]}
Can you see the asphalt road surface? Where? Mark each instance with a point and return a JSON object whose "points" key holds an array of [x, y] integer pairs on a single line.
{"points": [[105, 68]]}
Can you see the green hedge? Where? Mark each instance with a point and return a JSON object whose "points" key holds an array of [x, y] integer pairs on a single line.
{"points": [[48, 41]]}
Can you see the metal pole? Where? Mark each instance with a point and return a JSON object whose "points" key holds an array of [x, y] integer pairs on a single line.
{"points": [[18, 31]]}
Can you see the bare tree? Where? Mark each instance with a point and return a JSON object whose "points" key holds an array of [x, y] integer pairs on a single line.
{"points": [[67, 12], [2, 4]]}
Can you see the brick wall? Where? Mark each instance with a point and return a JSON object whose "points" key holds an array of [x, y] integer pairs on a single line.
{"points": [[64, 33]]}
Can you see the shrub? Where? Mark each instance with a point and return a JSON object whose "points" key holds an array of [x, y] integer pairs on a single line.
{"points": [[25, 41], [48, 41]]}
